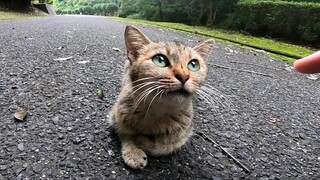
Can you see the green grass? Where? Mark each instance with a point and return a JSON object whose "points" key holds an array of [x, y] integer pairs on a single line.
{"points": [[10, 15], [275, 49]]}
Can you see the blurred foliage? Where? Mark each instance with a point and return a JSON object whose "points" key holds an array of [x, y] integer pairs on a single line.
{"points": [[89, 7], [294, 21]]}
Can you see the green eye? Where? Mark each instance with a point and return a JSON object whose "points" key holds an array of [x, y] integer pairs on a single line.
{"points": [[194, 65], [160, 60]]}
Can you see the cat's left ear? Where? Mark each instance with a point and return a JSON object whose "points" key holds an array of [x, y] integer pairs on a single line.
{"points": [[204, 48], [135, 40]]}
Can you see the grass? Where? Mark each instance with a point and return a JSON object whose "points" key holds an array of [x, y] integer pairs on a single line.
{"points": [[10, 15], [275, 49]]}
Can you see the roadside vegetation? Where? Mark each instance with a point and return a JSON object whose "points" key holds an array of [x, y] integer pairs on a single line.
{"points": [[275, 49], [11, 15], [269, 25]]}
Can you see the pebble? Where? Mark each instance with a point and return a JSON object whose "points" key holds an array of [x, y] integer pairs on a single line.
{"points": [[55, 120], [20, 147], [236, 169], [3, 167], [60, 136], [110, 153], [37, 167], [77, 140]]}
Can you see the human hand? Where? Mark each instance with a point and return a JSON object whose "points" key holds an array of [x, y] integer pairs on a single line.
{"points": [[309, 64]]}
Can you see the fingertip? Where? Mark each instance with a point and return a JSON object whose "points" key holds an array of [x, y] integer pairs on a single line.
{"points": [[309, 64]]}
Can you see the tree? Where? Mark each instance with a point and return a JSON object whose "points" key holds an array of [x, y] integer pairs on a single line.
{"points": [[111, 8]]}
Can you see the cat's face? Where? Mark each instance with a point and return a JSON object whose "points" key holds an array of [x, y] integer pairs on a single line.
{"points": [[168, 68]]}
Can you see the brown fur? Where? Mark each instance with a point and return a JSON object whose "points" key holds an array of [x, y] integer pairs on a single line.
{"points": [[153, 112]]}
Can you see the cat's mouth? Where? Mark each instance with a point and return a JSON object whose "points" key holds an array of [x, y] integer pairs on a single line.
{"points": [[182, 91]]}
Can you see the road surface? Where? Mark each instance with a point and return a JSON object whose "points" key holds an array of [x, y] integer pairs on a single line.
{"points": [[268, 118]]}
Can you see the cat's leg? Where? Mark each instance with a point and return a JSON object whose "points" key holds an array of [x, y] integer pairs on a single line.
{"points": [[132, 155], [163, 144]]}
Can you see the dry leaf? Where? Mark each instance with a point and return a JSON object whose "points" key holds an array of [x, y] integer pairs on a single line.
{"points": [[20, 115], [116, 49], [229, 49], [63, 59], [273, 120], [288, 67], [313, 77], [82, 62]]}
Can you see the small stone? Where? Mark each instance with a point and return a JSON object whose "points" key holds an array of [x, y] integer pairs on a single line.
{"points": [[110, 153], [25, 165], [69, 128], [55, 120], [21, 147], [3, 167], [17, 170], [77, 140], [37, 167], [60, 136], [236, 169], [19, 177]]}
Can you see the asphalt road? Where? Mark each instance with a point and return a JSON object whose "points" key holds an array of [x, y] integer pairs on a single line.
{"points": [[269, 118]]}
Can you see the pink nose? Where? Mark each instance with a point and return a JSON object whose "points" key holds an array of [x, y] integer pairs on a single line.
{"points": [[182, 78]]}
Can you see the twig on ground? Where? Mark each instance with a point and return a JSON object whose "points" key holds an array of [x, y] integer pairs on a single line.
{"points": [[90, 45], [236, 62], [242, 70], [207, 138]]}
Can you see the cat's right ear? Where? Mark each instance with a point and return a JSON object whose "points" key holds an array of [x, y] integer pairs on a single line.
{"points": [[134, 40]]}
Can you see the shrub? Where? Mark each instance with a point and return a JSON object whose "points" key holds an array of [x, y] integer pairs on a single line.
{"points": [[280, 19]]}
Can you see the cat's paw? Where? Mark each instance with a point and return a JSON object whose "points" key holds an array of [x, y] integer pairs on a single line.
{"points": [[134, 157]]}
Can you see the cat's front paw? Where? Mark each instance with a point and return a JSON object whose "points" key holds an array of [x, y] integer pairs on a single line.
{"points": [[134, 157]]}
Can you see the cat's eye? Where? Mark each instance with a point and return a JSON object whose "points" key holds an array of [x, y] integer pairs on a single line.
{"points": [[194, 65], [161, 60]]}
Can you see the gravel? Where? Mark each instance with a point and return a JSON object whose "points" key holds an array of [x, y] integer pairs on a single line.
{"points": [[271, 123]]}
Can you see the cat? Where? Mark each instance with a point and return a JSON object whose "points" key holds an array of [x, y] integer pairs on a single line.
{"points": [[153, 112]]}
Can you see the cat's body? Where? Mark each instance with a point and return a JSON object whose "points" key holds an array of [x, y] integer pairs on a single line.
{"points": [[153, 112]]}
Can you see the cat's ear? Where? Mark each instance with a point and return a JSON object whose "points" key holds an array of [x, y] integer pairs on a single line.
{"points": [[204, 48], [134, 40]]}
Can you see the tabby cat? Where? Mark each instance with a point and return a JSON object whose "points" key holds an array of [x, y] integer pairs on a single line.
{"points": [[153, 112]]}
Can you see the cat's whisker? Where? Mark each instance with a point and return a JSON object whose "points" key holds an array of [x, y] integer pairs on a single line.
{"points": [[217, 96], [219, 93], [139, 81], [143, 96], [141, 86], [160, 92], [212, 98], [143, 92], [208, 100]]}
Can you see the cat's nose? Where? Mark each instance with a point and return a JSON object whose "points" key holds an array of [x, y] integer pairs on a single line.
{"points": [[183, 78]]}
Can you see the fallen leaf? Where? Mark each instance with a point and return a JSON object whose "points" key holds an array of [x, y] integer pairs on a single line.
{"points": [[116, 49], [100, 93], [20, 115], [288, 67], [63, 59], [273, 120], [82, 62], [313, 77], [229, 49]]}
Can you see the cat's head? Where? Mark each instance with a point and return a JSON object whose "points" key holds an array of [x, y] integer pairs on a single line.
{"points": [[169, 67]]}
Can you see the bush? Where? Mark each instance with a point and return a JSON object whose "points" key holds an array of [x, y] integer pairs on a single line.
{"points": [[280, 19]]}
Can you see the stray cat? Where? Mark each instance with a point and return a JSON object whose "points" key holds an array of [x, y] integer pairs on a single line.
{"points": [[153, 113]]}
